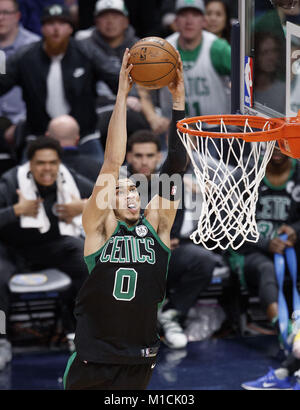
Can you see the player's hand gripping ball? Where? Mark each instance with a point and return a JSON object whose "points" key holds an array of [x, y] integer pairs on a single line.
{"points": [[154, 62]]}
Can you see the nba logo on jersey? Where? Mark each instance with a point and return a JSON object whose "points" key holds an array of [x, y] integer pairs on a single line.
{"points": [[141, 230], [248, 81]]}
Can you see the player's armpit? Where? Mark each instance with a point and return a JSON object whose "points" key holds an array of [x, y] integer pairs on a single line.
{"points": [[96, 238]]}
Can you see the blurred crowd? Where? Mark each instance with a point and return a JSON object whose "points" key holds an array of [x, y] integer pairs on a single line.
{"points": [[57, 92]]}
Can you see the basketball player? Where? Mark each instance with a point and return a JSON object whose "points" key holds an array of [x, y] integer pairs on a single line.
{"points": [[127, 256], [278, 211]]}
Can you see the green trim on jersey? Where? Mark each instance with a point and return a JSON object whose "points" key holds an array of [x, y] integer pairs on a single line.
{"points": [[154, 233], [90, 259], [220, 54], [279, 188], [159, 305], [189, 55], [129, 228]]}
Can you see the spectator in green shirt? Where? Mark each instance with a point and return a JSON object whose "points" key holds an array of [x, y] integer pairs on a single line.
{"points": [[206, 62]]}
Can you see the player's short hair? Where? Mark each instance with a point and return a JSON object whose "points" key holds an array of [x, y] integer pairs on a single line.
{"points": [[43, 143], [143, 137], [127, 178]]}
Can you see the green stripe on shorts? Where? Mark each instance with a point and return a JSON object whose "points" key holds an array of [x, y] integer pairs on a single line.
{"points": [[69, 364]]}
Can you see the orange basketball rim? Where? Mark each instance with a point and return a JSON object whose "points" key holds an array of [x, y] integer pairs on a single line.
{"points": [[286, 131]]}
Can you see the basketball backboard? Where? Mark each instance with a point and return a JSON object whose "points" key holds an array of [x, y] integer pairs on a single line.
{"points": [[268, 61]]}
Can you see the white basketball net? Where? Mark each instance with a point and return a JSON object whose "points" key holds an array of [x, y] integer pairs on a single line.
{"points": [[229, 182]]}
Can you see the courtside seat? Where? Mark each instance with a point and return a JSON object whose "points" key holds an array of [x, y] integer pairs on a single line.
{"points": [[219, 277], [44, 281], [37, 304]]}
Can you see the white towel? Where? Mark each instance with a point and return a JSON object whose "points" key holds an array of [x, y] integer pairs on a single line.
{"points": [[66, 191]]}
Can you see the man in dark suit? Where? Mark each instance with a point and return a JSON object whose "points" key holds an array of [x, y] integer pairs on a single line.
{"points": [[66, 131]]}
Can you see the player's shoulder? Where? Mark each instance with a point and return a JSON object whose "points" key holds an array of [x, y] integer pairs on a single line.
{"points": [[100, 233]]}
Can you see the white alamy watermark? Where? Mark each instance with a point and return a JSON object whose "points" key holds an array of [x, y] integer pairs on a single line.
{"points": [[2, 323], [173, 187]]}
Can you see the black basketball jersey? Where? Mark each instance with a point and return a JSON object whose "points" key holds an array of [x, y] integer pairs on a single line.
{"points": [[116, 308], [278, 205]]}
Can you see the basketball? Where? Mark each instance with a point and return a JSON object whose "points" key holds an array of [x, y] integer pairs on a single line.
{"points": [[154, 62]]}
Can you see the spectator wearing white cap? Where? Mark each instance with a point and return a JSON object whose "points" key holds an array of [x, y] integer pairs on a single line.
{"points": [[206, 61], [111, 35]]}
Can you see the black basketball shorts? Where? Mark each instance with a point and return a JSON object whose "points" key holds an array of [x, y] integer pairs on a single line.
{"points": [[81, 375]]}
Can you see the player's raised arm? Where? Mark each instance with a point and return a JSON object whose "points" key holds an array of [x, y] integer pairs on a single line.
{"points": [[99, 205], [167, 200]]}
